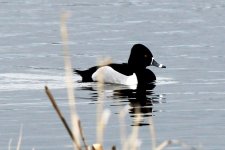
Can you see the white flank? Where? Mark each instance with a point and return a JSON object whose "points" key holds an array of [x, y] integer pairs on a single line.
{"points": [[112, 76]]}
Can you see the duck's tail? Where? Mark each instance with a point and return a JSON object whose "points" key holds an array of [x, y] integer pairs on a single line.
{"points": [[86, 74], [77, 71]]}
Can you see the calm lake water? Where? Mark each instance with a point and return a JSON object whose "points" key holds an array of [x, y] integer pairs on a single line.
{"points": [[188, 102]]}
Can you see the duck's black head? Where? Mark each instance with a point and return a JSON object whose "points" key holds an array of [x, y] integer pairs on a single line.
{"points": [[141, 57]]}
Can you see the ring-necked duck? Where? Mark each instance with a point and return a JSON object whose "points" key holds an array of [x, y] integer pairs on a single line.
{"points": [[133, 72]]}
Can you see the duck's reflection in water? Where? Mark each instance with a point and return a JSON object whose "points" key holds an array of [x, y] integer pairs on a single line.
{"points": [[141, 102], [140, 99]]}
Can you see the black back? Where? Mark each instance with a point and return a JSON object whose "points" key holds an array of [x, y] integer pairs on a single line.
{"points": [[87, 74], [123, 68]]}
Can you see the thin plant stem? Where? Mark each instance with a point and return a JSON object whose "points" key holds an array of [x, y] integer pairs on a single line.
{"points": [[20, 138], [133, 139], [9, 145], [82, 135], [55, 106], [122, 115], [100, 104], [152, 132], [69, 77]]}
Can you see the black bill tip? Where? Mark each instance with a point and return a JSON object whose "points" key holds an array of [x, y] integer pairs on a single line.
{"points": [[162, 66]]}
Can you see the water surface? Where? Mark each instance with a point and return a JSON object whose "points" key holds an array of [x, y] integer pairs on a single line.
{"points": [[187, 102]]}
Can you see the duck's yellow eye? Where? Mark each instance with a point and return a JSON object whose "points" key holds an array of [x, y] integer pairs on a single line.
{"points": [[146, 56]]}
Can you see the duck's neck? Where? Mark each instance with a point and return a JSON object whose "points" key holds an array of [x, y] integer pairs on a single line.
{"points": [[141, 76], [139, 71], [141, 86]]}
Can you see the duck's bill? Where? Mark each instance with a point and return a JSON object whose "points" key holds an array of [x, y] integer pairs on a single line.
{"points": [[156, 64]]}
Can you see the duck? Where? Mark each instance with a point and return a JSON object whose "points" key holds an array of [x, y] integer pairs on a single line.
{"points": [[133, 72]]}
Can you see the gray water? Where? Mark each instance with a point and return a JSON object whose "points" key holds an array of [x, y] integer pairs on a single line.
{"points": [[187, 36]]}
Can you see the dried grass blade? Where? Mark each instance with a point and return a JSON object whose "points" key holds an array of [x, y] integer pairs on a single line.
{"points": [[69, 78], [20, 138], [82, 135], [152, 133], [9, 145], [55, 106]]}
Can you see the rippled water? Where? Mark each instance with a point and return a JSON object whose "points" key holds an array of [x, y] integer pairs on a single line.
{"points": [[187, 102]]}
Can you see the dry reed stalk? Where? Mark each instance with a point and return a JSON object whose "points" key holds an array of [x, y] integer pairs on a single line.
{"points": [[69, 78], [20, 138], [9, 145], [101, 126], [174, 142], [100, 87], [133, 139], [166, 143], [163, 145], [122, 115], [100, 105], [113, 147], [55, 106], [82, 135], [97, 147], [152, 132]]}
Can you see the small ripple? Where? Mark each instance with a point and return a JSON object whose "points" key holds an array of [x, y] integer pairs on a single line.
{"points": [[174, 32], [217, 71], [190, 46], [7, 35], [212, 93], [23, 81], [164, 81]]}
